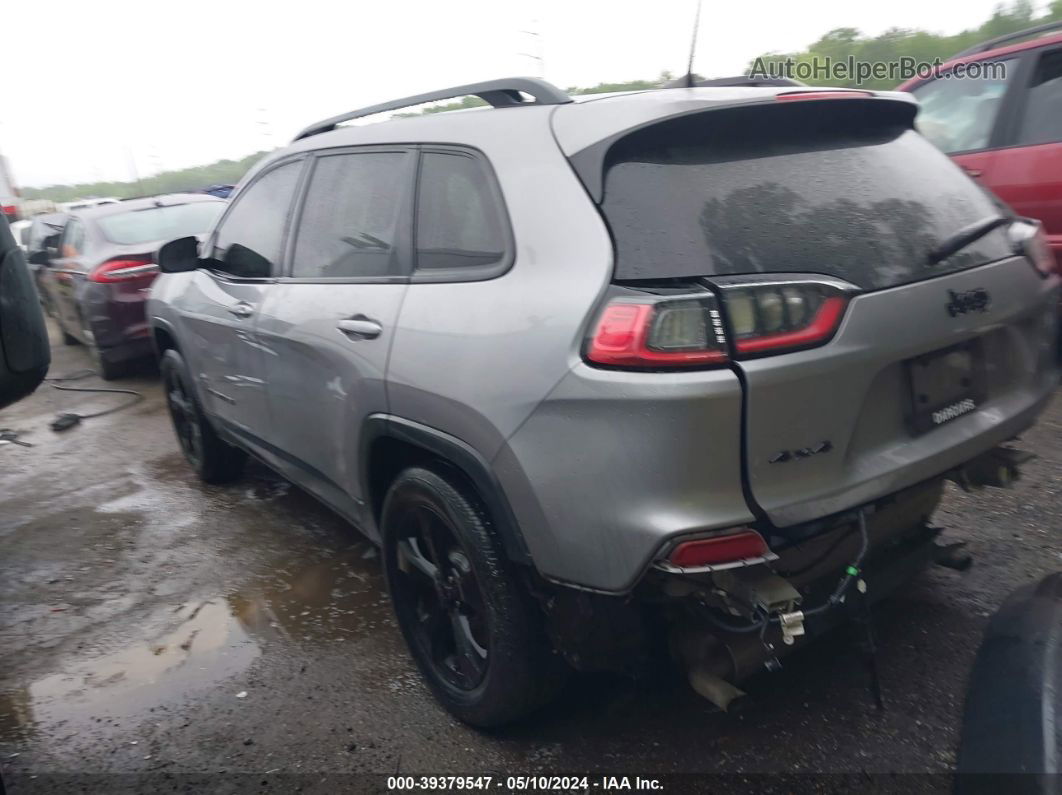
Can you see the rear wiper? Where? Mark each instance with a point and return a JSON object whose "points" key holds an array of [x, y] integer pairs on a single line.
{"points": [[966, 236]]}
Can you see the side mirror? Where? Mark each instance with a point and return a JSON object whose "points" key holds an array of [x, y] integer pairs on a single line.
{"points": [[179, 256]]}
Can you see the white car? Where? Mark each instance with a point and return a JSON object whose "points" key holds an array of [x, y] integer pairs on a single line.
{"points": [[20, 231]]}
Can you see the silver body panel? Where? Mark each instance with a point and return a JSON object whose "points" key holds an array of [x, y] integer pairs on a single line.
{"points": [[600, 468]]}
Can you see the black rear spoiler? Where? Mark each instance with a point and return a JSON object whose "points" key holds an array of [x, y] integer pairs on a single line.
{"points": [[590, 163]]}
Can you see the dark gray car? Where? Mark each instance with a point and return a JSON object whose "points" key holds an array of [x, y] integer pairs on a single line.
{"points": [[678, 371], [96, 279]]}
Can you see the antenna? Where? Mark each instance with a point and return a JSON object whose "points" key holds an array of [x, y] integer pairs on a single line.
{"points": [[539, 52], [693, 46]]}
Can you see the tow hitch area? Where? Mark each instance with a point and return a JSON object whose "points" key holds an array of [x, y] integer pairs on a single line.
{"points": [[740, 621]]}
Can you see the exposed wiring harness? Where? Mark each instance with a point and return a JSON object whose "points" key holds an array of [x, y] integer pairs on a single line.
{"points": [[851, 572], [70, 419]]}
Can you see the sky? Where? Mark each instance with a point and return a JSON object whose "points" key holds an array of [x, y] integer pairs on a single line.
{"points": [[103, 87]]}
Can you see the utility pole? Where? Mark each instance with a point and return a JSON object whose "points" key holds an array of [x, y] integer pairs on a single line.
{"points": [[132, 167]]}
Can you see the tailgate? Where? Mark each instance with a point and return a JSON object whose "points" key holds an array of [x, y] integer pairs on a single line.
{"points": [[916, 381]]}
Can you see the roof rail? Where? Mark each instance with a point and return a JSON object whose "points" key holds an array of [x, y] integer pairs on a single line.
{"points": [[998, 41], [503, 93]]}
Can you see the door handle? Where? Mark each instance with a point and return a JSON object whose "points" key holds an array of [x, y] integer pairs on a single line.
{"points": [[360, 327], [973, 172], [242, 309]]}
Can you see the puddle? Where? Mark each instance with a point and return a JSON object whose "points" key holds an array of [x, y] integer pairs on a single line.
{"points": [[205, 645], [341, 596], [193, 648]]}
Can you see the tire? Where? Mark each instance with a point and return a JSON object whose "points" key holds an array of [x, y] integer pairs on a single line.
{"points": [[214, 460], [68, 339], [472, 628], [108, 371]]}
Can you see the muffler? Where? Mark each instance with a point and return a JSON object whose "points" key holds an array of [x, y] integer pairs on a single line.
{"points": [[714, 662]]}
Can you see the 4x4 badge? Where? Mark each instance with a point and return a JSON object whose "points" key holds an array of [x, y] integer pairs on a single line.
{"points": [[976, 300]]}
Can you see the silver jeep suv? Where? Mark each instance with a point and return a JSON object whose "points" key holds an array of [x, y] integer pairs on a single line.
{"points": [[676, 372]]}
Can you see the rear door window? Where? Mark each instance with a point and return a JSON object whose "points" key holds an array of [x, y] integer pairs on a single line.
{"points": [[1041, 121], [460, 226], [811, 187], [350, 227], [249, 242]]}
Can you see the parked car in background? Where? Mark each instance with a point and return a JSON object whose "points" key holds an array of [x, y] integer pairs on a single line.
{"points": [[9, 199], [221, 191], [97, 279], [553, 361], [1004, 127], [82, 204], [20, 231], [41, 235]]}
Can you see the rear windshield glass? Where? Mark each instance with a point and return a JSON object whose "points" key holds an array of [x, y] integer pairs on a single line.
{"points": [[161, 223], [806, 187]]}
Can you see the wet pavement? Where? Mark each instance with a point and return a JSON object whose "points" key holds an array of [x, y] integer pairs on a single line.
{"points": [[154, 627]]}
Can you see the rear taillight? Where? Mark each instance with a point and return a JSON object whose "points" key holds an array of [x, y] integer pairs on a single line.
{"points": [[658, 333], [761, 318], [742, 547], [124, 269], [782, 316]]}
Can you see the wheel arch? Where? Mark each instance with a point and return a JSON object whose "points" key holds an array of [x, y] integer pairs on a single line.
{"points": [[163, 337], [390, 444]]}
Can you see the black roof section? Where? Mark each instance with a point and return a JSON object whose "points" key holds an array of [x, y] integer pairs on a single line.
{"points": [[999, 41], [503, 93]]}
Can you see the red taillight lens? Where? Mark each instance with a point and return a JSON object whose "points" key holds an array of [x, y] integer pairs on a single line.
{"points": [[774, 318], [745, 545], [652, 334], [124, 269]]}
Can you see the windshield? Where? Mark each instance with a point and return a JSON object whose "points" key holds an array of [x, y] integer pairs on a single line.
{"points": [[790, 189], [161, 223]]}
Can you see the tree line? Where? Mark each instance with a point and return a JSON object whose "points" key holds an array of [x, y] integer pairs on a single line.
{"points": [[923, 47]]}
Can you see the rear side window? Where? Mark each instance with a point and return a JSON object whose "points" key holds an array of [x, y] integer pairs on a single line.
{"points": [[1041, 121], [459, 220], [350, 218], [807, 187], [250, 239], [958, 114]]}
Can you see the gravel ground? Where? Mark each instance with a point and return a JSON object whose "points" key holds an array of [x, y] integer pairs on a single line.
{"points": [[154, 630]]}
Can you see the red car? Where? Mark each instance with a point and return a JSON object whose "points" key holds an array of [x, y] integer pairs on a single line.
{"points": [[1004, 125]]}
